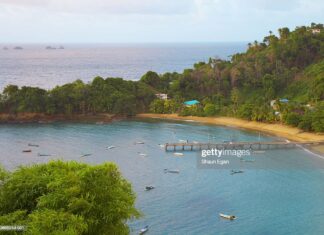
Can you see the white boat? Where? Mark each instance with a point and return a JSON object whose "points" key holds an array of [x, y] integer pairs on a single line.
{"points": [[195, 142], [178, 154], [229, 217], [111, 147], [162, 145], [144, 230], [183, 141], [139, 142], [143, 154]]}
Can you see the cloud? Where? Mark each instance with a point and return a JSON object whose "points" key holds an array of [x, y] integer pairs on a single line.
{"points": [[110, 6]]}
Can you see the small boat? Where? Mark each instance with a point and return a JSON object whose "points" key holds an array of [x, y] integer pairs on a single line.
{"points": [[229, 217], [171, 171], [43, 155], [183, 141], [161, 145], [18, 48], [5, 48], [61, 48], [33, 145], [195, 142], [144, 230], [27, 151], [86, 155], [148, 188], [178, 154], [139, 142], [111, 147], [142, 154], [236, 172]]}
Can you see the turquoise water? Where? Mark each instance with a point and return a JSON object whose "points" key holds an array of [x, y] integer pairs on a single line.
{"points": [[269, 201]]}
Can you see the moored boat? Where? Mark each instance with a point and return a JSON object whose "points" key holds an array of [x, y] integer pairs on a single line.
{"points": [[144, 230], [229, 217], [178, 154], [148, 188], [27, 151]]}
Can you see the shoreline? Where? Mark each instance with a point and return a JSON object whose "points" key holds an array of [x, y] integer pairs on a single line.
{"points": [[41, 118], [279, 130]]}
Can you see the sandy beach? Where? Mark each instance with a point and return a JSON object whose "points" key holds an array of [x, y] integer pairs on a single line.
{"points": [[280, 130]]}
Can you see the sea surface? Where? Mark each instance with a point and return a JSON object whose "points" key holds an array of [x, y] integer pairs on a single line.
{"points": [[266, 201], [37, 66]]}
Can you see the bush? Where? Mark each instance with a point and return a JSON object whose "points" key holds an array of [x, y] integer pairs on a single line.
{"points": [[292, 119], [68, 198], [210, 109]]}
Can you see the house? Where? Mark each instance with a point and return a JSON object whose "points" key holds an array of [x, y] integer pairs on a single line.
{"points": [[191, 103], [315, 31], [162, 96]]}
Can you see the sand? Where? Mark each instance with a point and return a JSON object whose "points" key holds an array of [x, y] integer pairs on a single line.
{"points": [[280, 130]]}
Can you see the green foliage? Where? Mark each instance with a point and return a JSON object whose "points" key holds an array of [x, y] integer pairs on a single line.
{"points": [[68, 198], [210, 109], [289, 66], [292, 119]]}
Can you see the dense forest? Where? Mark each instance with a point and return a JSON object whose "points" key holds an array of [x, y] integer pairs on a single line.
{"points": [[288, 66]]}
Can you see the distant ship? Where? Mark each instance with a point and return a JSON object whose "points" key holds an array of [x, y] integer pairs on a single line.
{"points": [[18, 48], [61, 47], [50, 48], [5, 48]]}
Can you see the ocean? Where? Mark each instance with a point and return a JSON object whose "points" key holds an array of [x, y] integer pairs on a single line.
{"points": [[37, 66], [265, 201]]}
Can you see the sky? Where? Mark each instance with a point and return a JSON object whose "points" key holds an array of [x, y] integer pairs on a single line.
{"points": [[142, 21]]}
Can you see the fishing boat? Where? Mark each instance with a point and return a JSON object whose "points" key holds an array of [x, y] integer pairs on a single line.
{"points": [[148, 188], [111, 147], [171, 171], [144, 230], [33, 145], [86, 155], [178, 154], [27, 151], [229, 217], [139, 142], [236, 172]]}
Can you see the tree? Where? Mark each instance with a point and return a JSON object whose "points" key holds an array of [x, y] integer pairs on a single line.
{"points": [[210, 109], [152, 79], [68, 198]]}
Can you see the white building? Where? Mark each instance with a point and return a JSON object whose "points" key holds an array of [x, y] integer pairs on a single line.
{"points": [[316, 31], [162, 96]]}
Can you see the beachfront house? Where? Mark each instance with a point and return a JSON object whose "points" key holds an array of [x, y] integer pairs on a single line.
{"points": [[316, 31], [191, 103], [162, 96]]}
